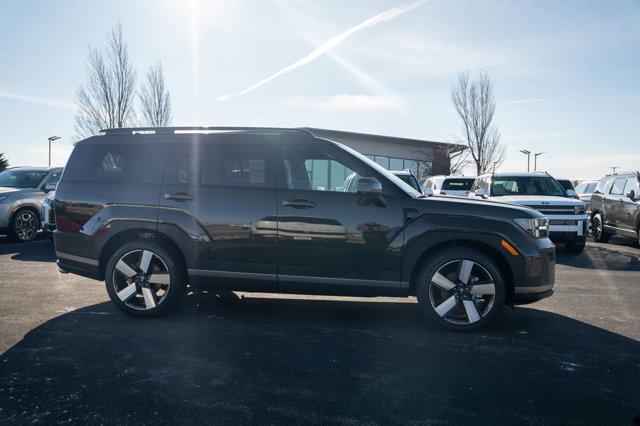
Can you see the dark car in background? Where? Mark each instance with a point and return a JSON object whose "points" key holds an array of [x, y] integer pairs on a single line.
{"points": [[150, 210], [615, 207], [22, 190]]}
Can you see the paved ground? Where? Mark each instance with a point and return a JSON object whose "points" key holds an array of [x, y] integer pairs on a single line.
{"points": [[67, 355]]}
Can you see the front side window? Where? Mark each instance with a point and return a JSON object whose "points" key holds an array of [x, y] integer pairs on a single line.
{"points": [[618, 186], [632, 185], [21, 178], [315, 169], [526, 185], [591, 188], [582, 188], [54, 178]]}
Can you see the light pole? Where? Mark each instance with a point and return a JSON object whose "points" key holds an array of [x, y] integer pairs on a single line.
{"points": [[51, 139], [613, 170], [528, 153], [535, 160]]}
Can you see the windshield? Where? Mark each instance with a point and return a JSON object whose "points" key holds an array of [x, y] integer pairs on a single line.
{"points": [[458, 184], [393, 178], [21, 178], [526, 185]]}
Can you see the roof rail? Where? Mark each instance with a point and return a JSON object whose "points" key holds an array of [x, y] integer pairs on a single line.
{"points": [[196, 129]]}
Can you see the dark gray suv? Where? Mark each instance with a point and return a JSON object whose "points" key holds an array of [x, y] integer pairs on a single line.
{"points": [[151, 210], [615, 207]]}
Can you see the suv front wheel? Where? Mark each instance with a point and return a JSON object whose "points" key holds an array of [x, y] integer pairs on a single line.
{"points": [[144, 279], [460, 289]]}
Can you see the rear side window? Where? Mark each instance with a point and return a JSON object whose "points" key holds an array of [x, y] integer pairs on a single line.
{"points": [[591, 188], [122, 163], [233, 165], [457, 184], [618, 186]]}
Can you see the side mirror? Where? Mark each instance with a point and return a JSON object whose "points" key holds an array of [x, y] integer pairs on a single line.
{"points": [[427, 192], [369, 185], [571, 193], [49, 187], [480, 193], [632, 195]]}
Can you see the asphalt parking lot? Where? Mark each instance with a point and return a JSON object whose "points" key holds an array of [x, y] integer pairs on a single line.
{"points": [[68, 355]]}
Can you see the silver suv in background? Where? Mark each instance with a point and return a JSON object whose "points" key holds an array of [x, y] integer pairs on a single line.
{"points": [[457, 186], [22, 190]]}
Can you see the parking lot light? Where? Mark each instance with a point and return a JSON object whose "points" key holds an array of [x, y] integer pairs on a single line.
{"points": [[51, 139]]}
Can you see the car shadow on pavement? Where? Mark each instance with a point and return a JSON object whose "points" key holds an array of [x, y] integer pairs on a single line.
{"points": [[39, 250], [604, 258], [222, 359]]}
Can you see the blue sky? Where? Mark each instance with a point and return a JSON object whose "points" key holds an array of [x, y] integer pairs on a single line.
{"points": [[566, 74]]}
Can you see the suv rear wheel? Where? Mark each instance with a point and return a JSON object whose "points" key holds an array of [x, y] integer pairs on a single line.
{"points": [[460, 289], [144, 279], [24, 225], [598, 233]]}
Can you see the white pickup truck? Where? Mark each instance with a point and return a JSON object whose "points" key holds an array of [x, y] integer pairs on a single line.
{"points": [[541, 192]]}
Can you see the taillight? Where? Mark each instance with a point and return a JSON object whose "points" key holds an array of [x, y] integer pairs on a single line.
{"points": [[68, 225]]}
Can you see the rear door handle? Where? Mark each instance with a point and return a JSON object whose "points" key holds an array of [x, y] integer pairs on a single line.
{"points": [[299, 204], [179, 196]]}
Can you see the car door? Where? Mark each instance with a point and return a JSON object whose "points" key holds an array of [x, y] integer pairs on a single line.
{"points": [[225, 187], [329, 239], [614, 204], [630, 207]]}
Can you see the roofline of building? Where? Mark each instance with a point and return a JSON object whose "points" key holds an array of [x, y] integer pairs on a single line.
{"points": [[369, 136]]}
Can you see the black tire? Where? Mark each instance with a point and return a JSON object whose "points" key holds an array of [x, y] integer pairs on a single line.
{"points": [[598, 234], [574, 248], [427, 290], [21, 229], [136, 303]]}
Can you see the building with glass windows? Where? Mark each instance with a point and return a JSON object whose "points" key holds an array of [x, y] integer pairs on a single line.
{"points": [[423, 157]]}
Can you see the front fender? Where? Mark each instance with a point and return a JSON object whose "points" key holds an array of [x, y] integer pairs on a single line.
{"points": [[428, 231]]}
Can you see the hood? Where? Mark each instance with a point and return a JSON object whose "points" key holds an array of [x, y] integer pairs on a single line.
{"points": [[6, 191], [474, 206], [531, 200]]}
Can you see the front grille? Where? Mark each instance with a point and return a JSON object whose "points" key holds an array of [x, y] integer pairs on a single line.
{"points": [[563, 222], [551, 210]]}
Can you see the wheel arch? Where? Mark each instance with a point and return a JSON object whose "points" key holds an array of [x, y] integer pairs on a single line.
{"points": [[137, 234], [482, 247]]}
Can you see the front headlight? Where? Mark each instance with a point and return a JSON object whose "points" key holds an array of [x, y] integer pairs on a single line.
{"points": [[3, 197], [537, 228], [580, 209]]}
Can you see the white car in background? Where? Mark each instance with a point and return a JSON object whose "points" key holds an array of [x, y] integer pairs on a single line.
{"points": [[46, 213], [541, 192], [456, 186], [585, 190]]}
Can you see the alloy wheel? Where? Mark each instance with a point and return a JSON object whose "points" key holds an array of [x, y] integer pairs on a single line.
{"points": [[141, 279], [597, 228], [462, 292], [26, 225]]}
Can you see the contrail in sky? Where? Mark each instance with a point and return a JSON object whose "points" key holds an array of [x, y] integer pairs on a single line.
{"points": [[327, 46], [56, 103]]}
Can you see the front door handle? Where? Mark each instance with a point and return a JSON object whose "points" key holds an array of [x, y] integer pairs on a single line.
{"points": [[299, 204], [179, 196]]}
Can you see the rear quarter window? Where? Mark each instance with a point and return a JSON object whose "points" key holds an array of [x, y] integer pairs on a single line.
{"points": [[123, 163]]}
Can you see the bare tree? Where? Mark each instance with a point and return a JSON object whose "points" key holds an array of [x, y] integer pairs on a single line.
{"points": [[458, 157], [106, 99], [155, 101], [476, 106], [4, 163]]}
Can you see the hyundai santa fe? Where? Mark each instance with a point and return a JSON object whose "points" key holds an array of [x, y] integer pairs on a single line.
{"points": [[150, 211]]}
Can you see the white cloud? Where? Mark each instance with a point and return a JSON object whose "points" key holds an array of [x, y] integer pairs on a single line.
{"points": [[345, 102], [328, 46], [56, 103]]}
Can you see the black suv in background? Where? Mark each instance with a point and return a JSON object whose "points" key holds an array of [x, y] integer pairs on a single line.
{"points": [[248, 209], [615, 207]]}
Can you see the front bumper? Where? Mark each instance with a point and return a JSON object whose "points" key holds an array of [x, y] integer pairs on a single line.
{"points": [[538, 277], [568, 228]]}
